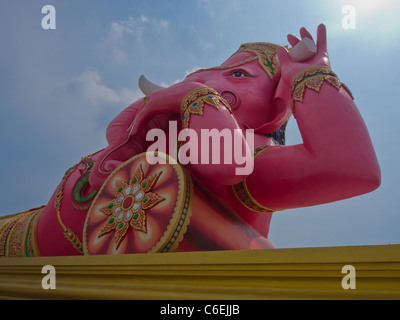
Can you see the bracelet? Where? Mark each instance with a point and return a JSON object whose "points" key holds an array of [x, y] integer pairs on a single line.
{"points": [[313, 78], [194, 102], [242, 193]]}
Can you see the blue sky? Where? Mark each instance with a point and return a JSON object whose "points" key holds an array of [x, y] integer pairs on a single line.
{"points": [[60, 88]]}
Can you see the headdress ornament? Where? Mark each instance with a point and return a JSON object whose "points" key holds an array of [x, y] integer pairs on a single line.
{"points": [[266, 54]]}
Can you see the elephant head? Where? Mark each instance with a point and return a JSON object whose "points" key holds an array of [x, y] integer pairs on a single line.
{"points": [[247, 81]]}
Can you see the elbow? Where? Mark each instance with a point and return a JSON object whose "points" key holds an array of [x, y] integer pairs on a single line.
{"points": [[369, 172], [347, 179], [366, 179], [360, 170], [372, 179]]}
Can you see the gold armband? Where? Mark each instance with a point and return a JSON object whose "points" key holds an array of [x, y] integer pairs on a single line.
{"points": [[195, 100], [313, 78], [242, 193]]}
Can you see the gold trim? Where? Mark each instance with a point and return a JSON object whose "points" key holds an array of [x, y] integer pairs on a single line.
{"points": [[180, 220], [244, 197], [32, 249], [265, 53], [194, 102], [69, 235], [242, 193], [5, 231], [300, 273], [17, 238], [313, 78], [135, 219], [17, 234], [181, 216]]}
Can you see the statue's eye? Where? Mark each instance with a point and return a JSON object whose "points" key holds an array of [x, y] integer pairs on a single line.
{"points": [[239, 74]]}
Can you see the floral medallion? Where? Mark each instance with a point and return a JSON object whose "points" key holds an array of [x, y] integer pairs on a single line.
{"points": [[140, 208], [128, 209]]}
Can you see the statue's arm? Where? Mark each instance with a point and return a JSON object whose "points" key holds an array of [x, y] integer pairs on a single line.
{"points": [[336, 159], [210, 132], [223, 154]]}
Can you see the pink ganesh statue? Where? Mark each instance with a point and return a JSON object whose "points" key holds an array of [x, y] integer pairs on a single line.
{"points": [[159, 186]]}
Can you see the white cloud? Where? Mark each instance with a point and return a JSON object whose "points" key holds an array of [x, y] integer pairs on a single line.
{"points": [[163, 24], [76, 113], [135, 27], [132, 31], [90, 87], [143, 18], [132, 26]]}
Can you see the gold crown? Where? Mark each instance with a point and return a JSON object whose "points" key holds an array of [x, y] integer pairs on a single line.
{"points": [[266, 53]]}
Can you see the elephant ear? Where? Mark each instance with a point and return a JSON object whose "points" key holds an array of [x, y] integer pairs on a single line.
{"points": [[281, 113]]}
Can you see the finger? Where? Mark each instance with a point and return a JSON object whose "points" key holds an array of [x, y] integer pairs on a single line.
{"points": [[305, 34], [321, 38], [283, 55], [293, 40]]}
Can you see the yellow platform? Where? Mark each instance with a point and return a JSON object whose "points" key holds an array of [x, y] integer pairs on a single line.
{"points": [[304, 273]]}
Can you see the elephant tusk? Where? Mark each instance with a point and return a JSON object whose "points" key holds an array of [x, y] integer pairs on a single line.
{"points": [[148, 87]]}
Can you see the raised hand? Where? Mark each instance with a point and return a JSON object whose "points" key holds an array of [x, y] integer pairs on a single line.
{"points": [[290, 68]]}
